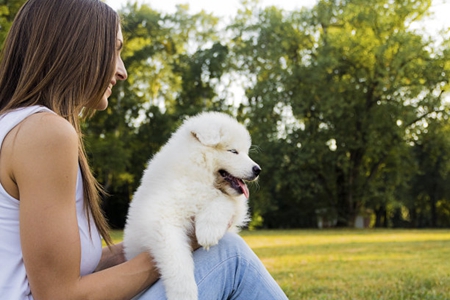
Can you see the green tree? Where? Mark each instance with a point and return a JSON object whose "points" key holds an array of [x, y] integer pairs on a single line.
{"points": [[337, 87], [429, 186], [344, 101], [8, 10]]}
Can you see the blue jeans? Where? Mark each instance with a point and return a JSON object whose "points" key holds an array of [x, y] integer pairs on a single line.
{"points": [[229, 270]]}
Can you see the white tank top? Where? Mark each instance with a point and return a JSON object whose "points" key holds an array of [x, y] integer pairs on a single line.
{"points": [[13, 279]]}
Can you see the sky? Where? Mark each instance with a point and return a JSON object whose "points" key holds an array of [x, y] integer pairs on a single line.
{"points": [[227, 8]]}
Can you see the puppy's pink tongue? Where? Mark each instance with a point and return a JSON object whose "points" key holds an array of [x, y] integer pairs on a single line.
{"points": [[244, 188]]}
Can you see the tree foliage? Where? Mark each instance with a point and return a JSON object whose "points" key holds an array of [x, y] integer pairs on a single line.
{"points": [[340, 85], [8, 10], [345, 101]]}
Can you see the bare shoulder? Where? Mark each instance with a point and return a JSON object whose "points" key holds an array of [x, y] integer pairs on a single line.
{"points": [[47, 123], [44, 130], [43, 143], [41, 139]]}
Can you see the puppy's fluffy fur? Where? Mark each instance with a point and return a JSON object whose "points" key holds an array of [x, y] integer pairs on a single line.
{"points": [[196, 182]]}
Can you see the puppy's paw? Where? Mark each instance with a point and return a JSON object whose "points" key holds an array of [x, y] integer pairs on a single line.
{"points": [[208, 236]]}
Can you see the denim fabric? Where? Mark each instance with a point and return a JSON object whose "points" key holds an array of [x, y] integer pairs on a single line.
{"points": [[229, 270]]}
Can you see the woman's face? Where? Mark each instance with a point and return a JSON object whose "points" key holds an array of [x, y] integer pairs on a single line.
{"points": [[120, 74]]}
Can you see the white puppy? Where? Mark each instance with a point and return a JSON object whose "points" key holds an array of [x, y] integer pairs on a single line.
{"points": [[196, 182]]}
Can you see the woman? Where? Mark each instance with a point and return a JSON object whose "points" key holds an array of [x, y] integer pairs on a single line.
{"points": [[61, 60]]}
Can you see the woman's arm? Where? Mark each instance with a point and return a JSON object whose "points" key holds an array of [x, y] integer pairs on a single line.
{"points": [[44, 165]]}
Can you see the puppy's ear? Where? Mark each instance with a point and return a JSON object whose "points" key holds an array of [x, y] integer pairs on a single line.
{"points": [[207, 136]]}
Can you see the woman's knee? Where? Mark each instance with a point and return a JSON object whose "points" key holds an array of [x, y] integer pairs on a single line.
{"points": [[231, 239], [235, 245]]}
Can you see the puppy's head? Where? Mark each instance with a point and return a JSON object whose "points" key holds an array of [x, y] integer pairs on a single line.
{"points": [[227, 143]]}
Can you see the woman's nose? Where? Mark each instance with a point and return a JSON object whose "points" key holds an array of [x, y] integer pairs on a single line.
{"points": [[121, 71]]}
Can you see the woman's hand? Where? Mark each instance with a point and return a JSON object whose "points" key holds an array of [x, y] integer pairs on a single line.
{"points": [[111, 256]]}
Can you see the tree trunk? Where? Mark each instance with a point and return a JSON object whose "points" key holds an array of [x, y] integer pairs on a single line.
{"points": [[381, 217]]}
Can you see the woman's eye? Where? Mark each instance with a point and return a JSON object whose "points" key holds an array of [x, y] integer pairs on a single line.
{"points": [[233, 151]]}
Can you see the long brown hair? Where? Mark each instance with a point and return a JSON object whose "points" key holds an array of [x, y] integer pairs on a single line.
{"points": [[61, 55]]}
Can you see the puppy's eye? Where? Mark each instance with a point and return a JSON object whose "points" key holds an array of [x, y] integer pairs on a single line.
{"points": [[233, 151]]}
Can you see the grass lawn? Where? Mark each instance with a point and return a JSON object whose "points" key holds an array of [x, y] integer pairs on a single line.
{"points": [[355, 264]]}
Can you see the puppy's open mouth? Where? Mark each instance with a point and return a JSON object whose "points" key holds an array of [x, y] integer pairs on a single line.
{"points": [[236, 183]]}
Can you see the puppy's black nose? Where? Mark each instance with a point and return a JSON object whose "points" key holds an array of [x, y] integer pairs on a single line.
{"points": [[256, 170]]}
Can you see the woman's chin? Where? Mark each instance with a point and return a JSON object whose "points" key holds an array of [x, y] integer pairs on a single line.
{"points": [[102, 105]]}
